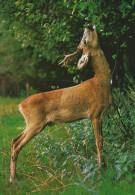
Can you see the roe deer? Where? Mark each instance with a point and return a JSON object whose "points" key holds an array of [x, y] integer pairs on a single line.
{"points": [[89, 99]]}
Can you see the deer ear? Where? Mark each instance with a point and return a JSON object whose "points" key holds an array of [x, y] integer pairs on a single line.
{"points": [[91, 26], [94, 27], [82, 62]]}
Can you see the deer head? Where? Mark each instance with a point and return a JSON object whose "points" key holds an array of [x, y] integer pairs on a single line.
{"points": [[88, 43]]}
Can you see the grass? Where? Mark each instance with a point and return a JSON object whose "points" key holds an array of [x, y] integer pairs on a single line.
{"points": [[36, 172]]}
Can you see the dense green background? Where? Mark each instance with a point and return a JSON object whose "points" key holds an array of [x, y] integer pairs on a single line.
{"points": [[35, 34]]}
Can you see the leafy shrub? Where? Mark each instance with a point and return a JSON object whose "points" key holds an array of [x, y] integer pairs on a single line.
{"points": [[71, 150]]}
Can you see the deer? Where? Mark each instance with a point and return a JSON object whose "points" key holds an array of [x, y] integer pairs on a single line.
{"points": [[88, 100]]}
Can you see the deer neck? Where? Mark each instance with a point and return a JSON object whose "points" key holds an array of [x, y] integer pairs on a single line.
{"points": [[100, 65]]}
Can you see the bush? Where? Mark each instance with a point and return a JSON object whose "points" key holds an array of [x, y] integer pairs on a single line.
{"points": [[70, 150]]}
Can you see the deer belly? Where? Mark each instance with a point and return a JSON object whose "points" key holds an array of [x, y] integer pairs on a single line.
{"points": [[67, 115]]}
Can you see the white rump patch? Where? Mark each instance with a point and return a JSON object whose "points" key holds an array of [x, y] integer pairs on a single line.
{"points": [[111, 81]]}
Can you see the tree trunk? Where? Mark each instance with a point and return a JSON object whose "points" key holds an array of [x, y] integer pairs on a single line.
{"points": [[27, 88]]}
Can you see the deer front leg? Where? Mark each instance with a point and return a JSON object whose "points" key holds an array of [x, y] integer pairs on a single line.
{"points": [[97, 125]]}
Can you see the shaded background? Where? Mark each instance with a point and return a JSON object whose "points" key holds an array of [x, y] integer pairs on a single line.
{"points": [[35, 35]]}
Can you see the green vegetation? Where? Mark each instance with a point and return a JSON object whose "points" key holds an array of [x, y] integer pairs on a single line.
{"points": [[35, 34], [62, 159]]}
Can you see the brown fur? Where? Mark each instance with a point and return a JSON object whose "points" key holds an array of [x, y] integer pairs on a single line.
{"points": [[89, 99]]}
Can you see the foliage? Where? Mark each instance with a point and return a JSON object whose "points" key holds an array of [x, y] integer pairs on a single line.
{"points": [[53, 28], [34, 35], [71, 150], [16, 62], [64, 158]]}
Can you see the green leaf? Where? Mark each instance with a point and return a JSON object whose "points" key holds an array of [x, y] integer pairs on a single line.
{"points": [[114, 56]]}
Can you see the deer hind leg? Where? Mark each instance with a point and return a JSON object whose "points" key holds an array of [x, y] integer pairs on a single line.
{"points": [[97, 125], [18, 143]]}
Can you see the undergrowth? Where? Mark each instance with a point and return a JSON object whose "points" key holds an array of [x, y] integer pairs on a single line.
{"points": [[70, 149], [63, 159]]}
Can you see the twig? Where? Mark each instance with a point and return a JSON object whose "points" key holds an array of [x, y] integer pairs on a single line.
{"points": [[28, 175], [127, 134], [55, 178], [61, 187]]}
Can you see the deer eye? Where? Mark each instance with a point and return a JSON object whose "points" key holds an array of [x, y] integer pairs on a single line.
{"points": [[84, 41]]}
